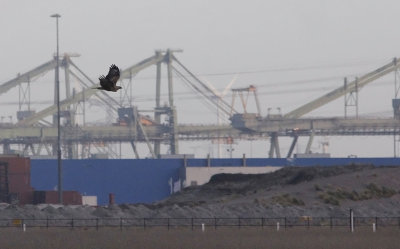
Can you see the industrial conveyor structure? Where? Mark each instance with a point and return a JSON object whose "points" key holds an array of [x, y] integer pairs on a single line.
{"points": [[38, 136], [291, 124]]}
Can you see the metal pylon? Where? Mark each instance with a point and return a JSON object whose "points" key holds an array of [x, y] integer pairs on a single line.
{"points": [[24, 95], [351, 99], [244, 98]]}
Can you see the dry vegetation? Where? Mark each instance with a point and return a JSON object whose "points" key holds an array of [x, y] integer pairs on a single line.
{"points": [[286, 200], [187, 239], [371, 191]]}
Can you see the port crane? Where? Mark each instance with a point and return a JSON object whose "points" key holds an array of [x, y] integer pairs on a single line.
{"points": [[37, 135]]}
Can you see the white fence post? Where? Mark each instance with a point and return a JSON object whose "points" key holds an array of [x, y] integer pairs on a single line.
{"points": [[351, 220]]}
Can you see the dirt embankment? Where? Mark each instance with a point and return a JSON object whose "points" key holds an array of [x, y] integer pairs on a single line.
{"points": [[291, 191]]}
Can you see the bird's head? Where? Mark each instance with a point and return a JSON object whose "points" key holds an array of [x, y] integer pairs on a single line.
{"points": [[116, 88]]}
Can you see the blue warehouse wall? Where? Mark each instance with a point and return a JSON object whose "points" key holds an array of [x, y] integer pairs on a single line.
{"points": [[147, 180], [132, 181]]}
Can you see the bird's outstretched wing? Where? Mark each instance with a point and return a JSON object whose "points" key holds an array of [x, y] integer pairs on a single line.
{"points": [[103, 82], [113, 74]]}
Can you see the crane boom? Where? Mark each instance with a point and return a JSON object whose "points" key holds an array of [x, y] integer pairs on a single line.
{"points": [[207, 92], [53, 109], [87, 92], [341, 91], [126, 73], [25, 77]]}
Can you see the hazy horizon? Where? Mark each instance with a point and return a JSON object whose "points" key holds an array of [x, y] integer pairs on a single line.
{"points": [[292, 51]]}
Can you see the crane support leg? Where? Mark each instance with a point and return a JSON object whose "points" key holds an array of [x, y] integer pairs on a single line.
{"points": [[26, 149], [173, 115], [157, 115], [142, 130], [310, 140], [274, 146], [289, 154], [134, 149], [173, 123], [6, 148]]}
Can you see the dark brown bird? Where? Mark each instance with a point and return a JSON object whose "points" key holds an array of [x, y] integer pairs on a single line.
{"points": [[109, 82]]}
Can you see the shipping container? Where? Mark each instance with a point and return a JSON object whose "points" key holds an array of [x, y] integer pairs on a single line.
{"points": [[25, 198], [18, 164], [15, 184], [15, 180], [19, 173], [19, 183], [51, 197]]}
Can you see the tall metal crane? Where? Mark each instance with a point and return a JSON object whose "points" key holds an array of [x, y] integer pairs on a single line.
{"points": [[32, 130], [69, 104], [294, 126]]}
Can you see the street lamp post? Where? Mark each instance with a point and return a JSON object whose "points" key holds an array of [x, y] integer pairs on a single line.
{"points": [[60, 194]]}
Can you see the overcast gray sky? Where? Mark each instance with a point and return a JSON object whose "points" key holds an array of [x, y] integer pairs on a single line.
{"points": [[279, 39]]}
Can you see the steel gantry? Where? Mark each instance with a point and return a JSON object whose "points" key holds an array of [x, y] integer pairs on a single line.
{"points": [[34, 132], [37, 135], [292, 125], [353, 86]]}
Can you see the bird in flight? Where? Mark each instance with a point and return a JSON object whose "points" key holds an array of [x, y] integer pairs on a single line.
{"points": [[109, 82]]}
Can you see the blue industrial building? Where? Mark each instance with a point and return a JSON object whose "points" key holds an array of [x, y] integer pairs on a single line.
{"points": [[149, 180]]}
